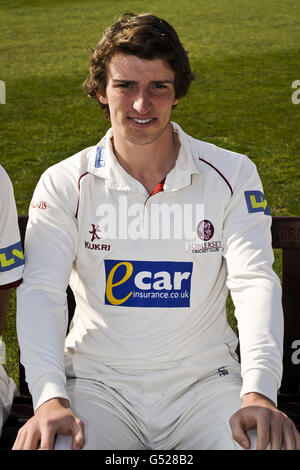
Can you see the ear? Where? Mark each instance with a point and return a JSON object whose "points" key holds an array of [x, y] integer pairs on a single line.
{"points": [[175, 102], [101, 98]]}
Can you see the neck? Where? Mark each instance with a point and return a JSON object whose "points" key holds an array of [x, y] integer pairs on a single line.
{"points": [[148, 163]]}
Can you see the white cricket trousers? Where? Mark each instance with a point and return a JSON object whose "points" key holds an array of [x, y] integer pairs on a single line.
{"points": [[161, 409], [7, 392]]}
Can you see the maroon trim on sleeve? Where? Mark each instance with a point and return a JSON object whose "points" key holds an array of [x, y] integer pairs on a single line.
{"points": [[222, 176], [11, 285]]}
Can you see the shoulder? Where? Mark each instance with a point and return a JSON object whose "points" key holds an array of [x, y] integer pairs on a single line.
{"points": [[70, 169], [59, 184], [7, 200], [231, 167], [217, 164], [5, 181]]}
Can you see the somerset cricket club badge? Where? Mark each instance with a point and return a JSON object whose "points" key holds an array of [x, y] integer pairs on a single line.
{"points": [[205, 230]]}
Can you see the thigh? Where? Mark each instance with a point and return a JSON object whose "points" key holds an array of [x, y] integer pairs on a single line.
{"points": [[7, 389], [205, 424], [7, 392], [109, 422]]}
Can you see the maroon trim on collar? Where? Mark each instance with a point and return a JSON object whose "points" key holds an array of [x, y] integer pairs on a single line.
{"points": [[222, 176]]}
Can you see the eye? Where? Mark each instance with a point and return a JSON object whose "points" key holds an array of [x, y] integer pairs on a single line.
{"points": [[159, 86], [124, 85]]}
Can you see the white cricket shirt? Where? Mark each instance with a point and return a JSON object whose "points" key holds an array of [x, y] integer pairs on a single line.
{"points": [[146, 299]]}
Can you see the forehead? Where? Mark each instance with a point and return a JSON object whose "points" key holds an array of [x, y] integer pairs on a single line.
{"points": [[130, 67]]}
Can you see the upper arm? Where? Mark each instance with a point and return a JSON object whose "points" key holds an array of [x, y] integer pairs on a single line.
{"points": [[51, 234], [11, 253]]}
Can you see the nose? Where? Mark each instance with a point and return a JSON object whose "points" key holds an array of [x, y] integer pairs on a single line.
{"points": [[142, 103]]}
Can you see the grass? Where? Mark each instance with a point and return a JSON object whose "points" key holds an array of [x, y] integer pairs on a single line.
{"points": [[245, 55]]}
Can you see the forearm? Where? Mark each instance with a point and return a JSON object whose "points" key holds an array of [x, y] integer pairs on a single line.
{"points": [[260, 324], [41, 328]]}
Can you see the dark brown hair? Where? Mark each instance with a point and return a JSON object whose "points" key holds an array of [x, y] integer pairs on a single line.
{"points": [[145, 36]]}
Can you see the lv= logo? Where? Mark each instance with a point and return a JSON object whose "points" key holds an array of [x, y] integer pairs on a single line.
{"points": [[11, 257], [256, 202]]}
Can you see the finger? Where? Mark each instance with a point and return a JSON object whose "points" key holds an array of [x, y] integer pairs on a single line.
{"points": [[238, 432], [297, 438], [31, 441], [263, 431], [18, 444], [24, 437], [78, 439], [47, 440], [289, 438], [276, 432]]}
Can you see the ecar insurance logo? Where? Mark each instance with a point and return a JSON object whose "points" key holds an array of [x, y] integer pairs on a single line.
{"points": [[148, 283]]}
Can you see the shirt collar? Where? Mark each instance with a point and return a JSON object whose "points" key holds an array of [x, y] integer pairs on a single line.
{"points": [[103, 163]]}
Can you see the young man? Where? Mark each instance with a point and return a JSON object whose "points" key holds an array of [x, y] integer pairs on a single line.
{"points": [[11, 271], [148, 227]]}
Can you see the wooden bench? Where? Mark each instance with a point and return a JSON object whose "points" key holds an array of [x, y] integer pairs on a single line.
{"points": [[285, 236]]}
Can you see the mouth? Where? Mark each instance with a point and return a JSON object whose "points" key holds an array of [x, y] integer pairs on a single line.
{"points": [[142, 122]]}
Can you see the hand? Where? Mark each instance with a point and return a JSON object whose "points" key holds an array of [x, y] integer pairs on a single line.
{"points": [[52, 417], [272, 426]]}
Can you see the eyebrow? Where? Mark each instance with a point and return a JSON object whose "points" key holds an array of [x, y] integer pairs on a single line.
{"points": [[134, 81]]}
